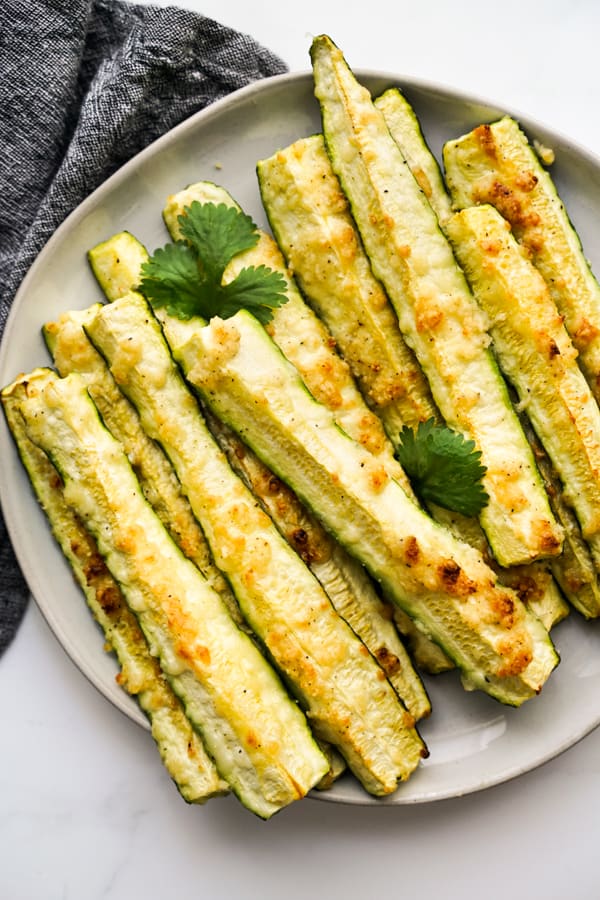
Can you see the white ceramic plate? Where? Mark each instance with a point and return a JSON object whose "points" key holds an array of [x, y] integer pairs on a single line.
{"points": [[474, 741]]}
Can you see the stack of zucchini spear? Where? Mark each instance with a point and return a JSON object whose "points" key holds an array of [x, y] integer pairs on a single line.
{"points": [[228, 495]]}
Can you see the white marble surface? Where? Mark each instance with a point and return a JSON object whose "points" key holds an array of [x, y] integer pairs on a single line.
{"points": [[86, 810]]}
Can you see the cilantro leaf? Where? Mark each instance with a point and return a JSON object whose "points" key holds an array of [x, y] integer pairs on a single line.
{"points": [[443, 467], [170, 279], [186, 277], [217, 233], [257, 289]]}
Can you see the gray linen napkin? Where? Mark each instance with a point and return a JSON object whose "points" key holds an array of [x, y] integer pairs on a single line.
{"points": [[83, 87]]}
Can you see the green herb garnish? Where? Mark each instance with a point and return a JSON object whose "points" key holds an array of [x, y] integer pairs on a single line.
{"points": [[443, 467], [186, 276]]}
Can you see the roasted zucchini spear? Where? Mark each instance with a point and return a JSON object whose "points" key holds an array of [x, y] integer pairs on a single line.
{"points": [[180, 747], [496, 164], [442, 583], [405, 128], [256, 734], [436, 310], [310, 218], [536, 354]]}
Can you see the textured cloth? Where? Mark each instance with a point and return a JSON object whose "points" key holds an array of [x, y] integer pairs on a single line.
{"points": [[83, 87]]}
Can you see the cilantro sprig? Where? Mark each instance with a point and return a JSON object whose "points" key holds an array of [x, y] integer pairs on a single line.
{"points": [[443, 467], [186, 276]]}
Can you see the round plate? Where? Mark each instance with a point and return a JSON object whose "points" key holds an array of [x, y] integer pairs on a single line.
{"points": [[474, 742]]}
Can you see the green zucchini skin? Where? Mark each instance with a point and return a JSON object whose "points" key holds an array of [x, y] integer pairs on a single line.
{"points": [[257, 736], [496, 164], [436, 310], [436, 579], [180, 747], [347, 698]]}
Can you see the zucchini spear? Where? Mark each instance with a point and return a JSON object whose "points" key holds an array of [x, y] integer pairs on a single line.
{"points": [[258, 737], [437, 313], [442, 583], [309, 216], [496, 164], [180, 747], [405, 128], [536, 354]]}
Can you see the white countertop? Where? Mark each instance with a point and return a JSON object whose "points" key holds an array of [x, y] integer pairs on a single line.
{"points": [[87, 811]]}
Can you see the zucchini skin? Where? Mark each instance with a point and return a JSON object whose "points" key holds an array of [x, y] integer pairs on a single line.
{"points": [[436, 311], [347, 698], [257, 736], [180, 747], [496, 164], [441, 582]]}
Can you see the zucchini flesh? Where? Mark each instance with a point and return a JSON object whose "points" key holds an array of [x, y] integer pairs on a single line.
{"points": [[344, 691], [496, 164], [442, 583], [436, 311], [118, 261], [536, 354], [257, 736], [180, 747], [310, 217]]}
